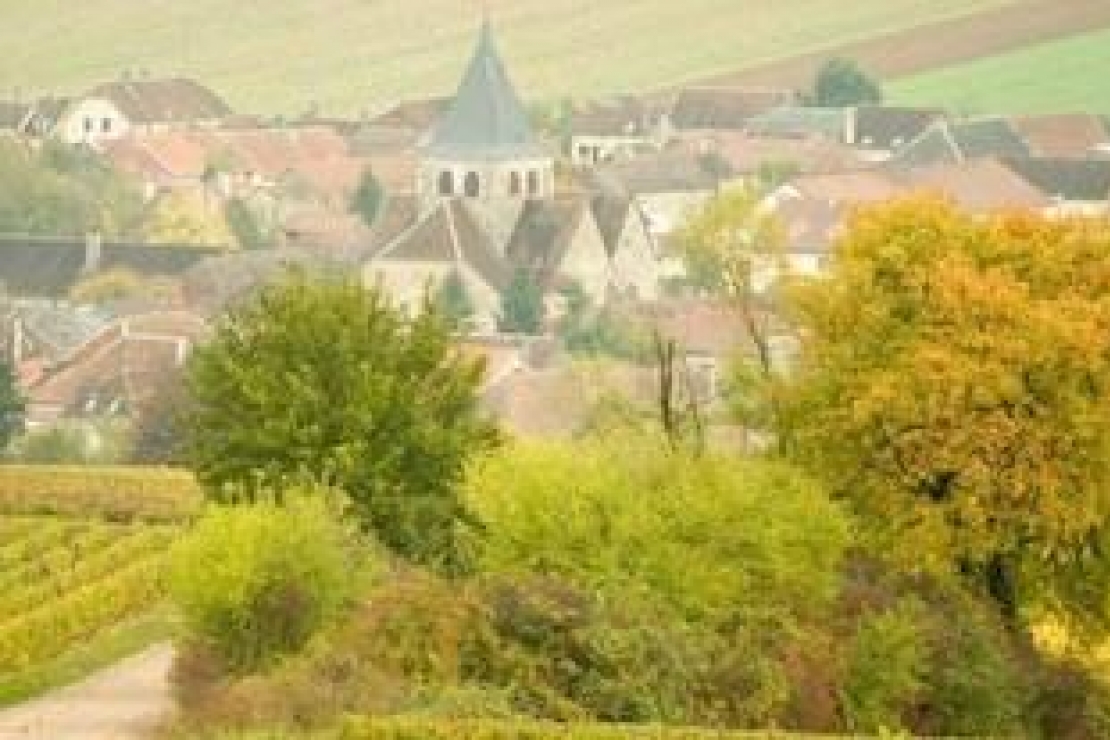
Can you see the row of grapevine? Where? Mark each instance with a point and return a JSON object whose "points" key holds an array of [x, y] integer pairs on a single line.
{"points": [[62, 581]]}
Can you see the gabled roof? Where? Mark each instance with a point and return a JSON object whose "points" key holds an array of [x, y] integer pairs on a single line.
{"points": [[449, 234], [173, 99], [1073, 135], [420, 114], [1086, 180], [611, 214], [486, 118], [947, 142], [889, 127], [543, 234], [676, 170], [980, 186], [625, 115], [725, 107]]}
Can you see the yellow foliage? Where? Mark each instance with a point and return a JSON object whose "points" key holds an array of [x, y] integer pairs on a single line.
{"points": [[180, 218], [954, 381]]}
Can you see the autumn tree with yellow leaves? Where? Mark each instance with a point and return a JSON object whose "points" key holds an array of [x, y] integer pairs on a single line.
{"points": [[954, 387]]}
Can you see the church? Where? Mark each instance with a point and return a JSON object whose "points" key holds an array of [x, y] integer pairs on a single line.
{"points": [[489, 205]]}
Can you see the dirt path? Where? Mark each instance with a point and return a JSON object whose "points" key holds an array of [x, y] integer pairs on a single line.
{"points": [[123, 702], [940, 44]]}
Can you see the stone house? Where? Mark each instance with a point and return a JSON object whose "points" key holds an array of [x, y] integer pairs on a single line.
{"points": [[620, 127], [116, 109]]}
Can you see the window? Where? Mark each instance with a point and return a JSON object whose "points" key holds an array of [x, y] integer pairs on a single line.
{"points": [[106, 125], [472, 185], [514, 183], [446, 183], [88, 125], [533, 182]]}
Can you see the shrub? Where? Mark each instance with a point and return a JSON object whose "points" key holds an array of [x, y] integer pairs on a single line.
{"points": [[256, 581]]}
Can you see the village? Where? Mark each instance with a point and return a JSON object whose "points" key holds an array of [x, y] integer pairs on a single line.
{"points": [[483, 204]]}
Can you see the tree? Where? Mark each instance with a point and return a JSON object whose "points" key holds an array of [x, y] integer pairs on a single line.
{"points": [[732, 248], [952, 385], [367, 199], [12, 406], [522, 305], [453, 301], [180, 218], [324, 378], [841, 83], [244, 225]]}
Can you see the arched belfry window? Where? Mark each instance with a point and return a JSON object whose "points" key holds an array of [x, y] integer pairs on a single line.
{"points": [[533, 182], [472, 185], [514, 183], [446, 183]]}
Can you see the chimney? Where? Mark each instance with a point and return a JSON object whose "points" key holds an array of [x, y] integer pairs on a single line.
{"points": [[93, 248], [850, 126]]}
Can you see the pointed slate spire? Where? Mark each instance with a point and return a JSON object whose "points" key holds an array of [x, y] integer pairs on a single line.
{"points": [[486, 119]]}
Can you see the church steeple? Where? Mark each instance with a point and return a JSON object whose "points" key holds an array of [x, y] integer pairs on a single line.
{"points": [[486, 118]]}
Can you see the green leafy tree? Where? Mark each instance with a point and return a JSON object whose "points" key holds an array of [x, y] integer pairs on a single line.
{"points": [[12, 406], [841, 83], [325, 378], [367, 199], [522, 305], [952, 384], [453, 301], [244, 225]]}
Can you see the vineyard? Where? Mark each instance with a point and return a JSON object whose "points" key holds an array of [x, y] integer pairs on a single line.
{"points": [[64, 581]]}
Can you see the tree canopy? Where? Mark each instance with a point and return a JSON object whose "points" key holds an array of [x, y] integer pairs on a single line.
{"points": [[12, 406], [367, 199], [522, 305], [841, 83], [321, 377], [953, 385]]}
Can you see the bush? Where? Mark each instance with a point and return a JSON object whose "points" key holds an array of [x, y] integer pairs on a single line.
{"points": [[256, 581]]}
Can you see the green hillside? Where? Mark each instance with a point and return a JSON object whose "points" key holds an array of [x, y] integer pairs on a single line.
{"points": [[348, 55], [1068, 75]]}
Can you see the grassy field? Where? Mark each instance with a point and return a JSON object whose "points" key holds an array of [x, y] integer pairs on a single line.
{"points": [[350, 55], [1068, 75]]}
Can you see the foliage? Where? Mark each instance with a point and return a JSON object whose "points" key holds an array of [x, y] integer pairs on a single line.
{"points": [[156, 437], [256, 581], [886, 669], [624, 517], [841, 83], [244, 225], [121, 493], [522, 305], [53, 445], [454, 303], [13, 406], [325, 378], [367, 199], [63, 581], [180, 218], [951, 386], [58, 190], [120, 283], [590, 331]]}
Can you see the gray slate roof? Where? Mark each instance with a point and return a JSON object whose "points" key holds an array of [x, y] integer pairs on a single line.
{"points": [[950, 143], [486, 119], [1067, 179]]}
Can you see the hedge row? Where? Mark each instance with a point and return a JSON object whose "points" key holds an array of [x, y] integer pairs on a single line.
{"points": [[408, 728], [158, 494]]}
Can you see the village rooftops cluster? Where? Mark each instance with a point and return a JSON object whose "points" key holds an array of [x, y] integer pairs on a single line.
{"points": [[469, 189]]}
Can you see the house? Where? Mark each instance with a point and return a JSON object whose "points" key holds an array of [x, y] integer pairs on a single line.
{"points": [[980, 187], [117, 369], [771, 158], [798, 121], [724, 108], [880, 130], [639, 267], [1075, 186], [13, 115], [1062, 135], [952, 142], [116, 109], [619, 127]]}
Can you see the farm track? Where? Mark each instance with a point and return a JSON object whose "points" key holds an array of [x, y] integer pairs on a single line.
{"points": [[939, 44], [124, 702]]}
